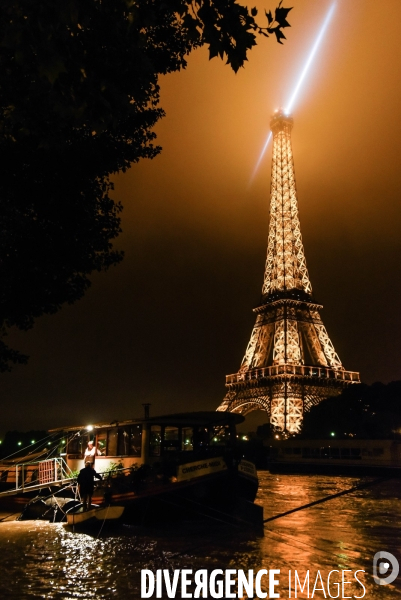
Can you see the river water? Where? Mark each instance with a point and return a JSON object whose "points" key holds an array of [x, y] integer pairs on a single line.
{"points": [[42, 560]]}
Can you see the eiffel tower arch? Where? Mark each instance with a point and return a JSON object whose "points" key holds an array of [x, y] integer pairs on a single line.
{"points": [[290, 363]]}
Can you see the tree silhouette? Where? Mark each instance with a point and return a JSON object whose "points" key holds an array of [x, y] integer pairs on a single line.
{"points": [[363, 411], [79, 96]]}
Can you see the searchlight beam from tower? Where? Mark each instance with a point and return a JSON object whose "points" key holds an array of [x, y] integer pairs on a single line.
{"points": [[301, 79]]}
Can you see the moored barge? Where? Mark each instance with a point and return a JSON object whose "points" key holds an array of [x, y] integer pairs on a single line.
{"points": [[157, 468], [343, 456]]}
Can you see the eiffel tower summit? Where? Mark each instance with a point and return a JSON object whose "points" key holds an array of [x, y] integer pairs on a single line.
{"points": [[290, 363]]}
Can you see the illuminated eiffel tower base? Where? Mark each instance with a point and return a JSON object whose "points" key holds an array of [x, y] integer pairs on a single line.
{"points": [[290, 363]]}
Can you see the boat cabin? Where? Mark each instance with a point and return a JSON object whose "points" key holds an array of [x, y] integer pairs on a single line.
{"points": [[297, 455], [181, 437]]}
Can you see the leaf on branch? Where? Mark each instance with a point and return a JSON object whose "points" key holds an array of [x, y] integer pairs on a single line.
{"points": [[269, 17], [281, 16], [279, 35], [214, 50], [254, 11]]}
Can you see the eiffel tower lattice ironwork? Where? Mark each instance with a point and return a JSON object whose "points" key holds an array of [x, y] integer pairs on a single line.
{"points": [[290, 363]]}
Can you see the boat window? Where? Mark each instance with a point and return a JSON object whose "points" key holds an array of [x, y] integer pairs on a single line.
{"points": [[378, 451], [187, 438], [325, 452], [345, 453], [219, 435], [155, 440], [171, 438], [315, 452], [101, 442], [200, 438], [297, 450], [335, 452], [112, 436], [123, 441], [130, 441], [287, 450], [355, 452], [74, 445], [306, 452], [136, 440], [77, 443]]}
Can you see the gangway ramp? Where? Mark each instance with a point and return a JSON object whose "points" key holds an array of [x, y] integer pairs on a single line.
{"points": [[34, 475]]}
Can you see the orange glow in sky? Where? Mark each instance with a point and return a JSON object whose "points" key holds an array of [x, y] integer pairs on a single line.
{"points": [[174, 318]]}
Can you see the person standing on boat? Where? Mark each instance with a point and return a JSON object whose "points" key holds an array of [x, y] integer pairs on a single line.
{"points": [[90, 454], [86, 484]]}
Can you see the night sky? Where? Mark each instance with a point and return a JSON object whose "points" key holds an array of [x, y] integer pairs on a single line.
{"points": [[175, 317]]}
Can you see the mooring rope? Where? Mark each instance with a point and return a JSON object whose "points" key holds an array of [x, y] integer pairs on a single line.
{"points": [[104, 521], [197, 511], [360, 486], [11, 515]]}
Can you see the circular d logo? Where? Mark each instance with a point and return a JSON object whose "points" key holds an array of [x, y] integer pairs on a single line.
{"points": [[385, 563]]}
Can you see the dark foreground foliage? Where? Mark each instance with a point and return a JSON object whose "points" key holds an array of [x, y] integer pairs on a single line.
{"points": [[364, 411], [79, 96]]}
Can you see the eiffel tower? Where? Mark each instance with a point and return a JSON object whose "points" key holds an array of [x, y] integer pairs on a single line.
{"points": [[290, 363]]}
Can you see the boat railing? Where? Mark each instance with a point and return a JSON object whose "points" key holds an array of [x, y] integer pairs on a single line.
{"points": [[24, 477]]}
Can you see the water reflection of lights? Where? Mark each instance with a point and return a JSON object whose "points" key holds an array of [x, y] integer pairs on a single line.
{"points": [[49, 561]]}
